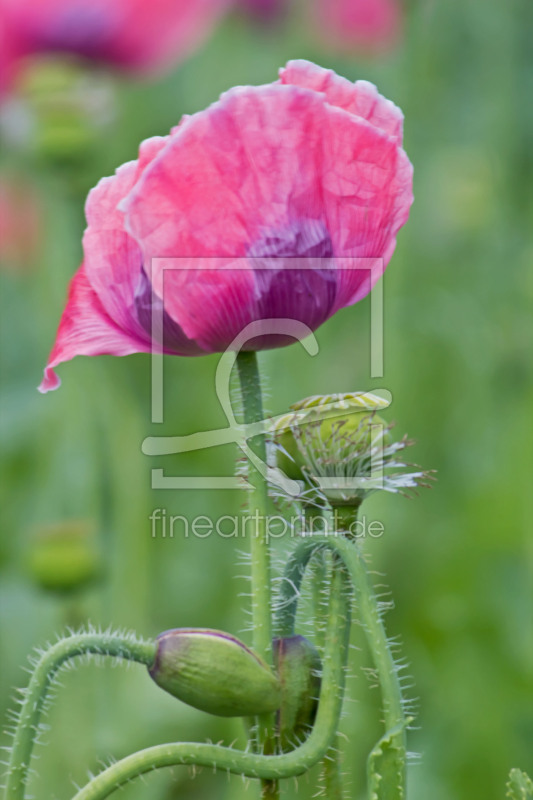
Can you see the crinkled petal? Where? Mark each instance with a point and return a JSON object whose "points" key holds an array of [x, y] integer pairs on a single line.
{"points": [[259, 165], [368, 181], [360, 98], [110, 301], [229, 178], [113, 260], [87, 330], [278, 202]]}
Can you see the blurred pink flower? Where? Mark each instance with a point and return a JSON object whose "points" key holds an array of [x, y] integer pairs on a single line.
{"points": [[363, 24], [134, 35], [310, 166], [264, 10], [21, 223]]}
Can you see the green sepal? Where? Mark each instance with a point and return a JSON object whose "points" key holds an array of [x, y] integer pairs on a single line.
{"points": [[519, 786], [298, 666], [386, 770]]}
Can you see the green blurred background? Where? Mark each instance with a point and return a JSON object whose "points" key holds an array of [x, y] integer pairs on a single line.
{"points": [[458, 335]]}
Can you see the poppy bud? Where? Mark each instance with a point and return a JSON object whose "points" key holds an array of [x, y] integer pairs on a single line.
{"points": [[332, 427], [65, 106], [298, 665], [214, 672], [342, 450]]}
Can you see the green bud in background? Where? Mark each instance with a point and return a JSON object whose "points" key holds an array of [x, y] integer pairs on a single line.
{"points": [[64, 557], [298, 665], [214, 672], [60, 110]]}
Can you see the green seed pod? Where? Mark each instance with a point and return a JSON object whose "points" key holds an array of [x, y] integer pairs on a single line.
{"points": [[341, 450], [298, 665], [214, 672], [328, 430], [64, 557]]}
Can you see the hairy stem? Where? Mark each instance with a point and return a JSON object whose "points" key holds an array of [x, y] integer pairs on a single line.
{"points": [[318, 574], [261, 602], [331, 771], [250, 385], [353, 559], [35, 694], [269, 768]]}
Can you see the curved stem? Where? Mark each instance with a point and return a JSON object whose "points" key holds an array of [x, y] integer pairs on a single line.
{"points": [[331, 770], [35, 695], [268, 768], [352, 557]]}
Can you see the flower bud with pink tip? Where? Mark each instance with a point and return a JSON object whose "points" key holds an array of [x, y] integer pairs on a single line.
{"points": [[214, 672]]}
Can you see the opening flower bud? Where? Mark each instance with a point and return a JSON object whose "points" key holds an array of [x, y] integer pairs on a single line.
{"points": [[298, 665], [330, 426], [214, 672], [339, 446]]}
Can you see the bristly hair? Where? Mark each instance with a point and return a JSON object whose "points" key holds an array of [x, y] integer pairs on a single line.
{"points": [[349, 466]]}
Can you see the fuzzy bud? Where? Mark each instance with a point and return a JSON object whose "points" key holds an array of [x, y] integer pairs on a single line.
{"points": [[342, 451], [326, 432], [214, 672]]}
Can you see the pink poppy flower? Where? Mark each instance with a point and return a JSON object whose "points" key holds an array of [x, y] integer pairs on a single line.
{"points": [[134, 35], [365, 24], [308, 167]]}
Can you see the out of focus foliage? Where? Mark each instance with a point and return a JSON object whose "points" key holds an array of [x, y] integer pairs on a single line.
{"points": [[457, 346]]}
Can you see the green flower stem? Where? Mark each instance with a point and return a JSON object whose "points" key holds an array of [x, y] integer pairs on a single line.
{"points": [[377, 637], [310, 515], [269, 768], [331, 771], [352, 557], [260, 552], [261, 600], [42, 678]]}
